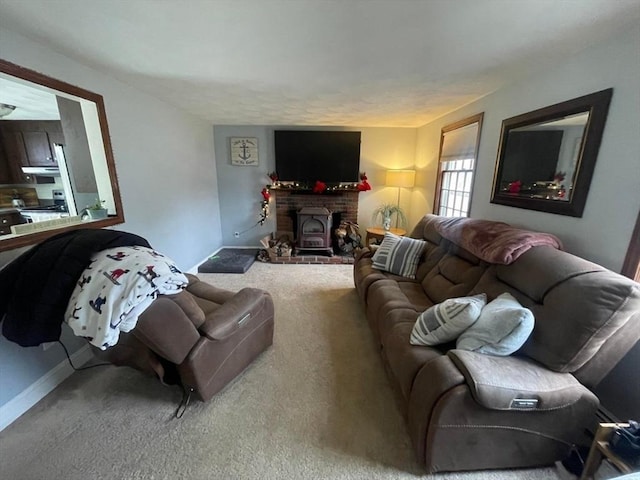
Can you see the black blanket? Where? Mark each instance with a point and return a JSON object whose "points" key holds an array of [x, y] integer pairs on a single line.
{"points": [[35, 288]]}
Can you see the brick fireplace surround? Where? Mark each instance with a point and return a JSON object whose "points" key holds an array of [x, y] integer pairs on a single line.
{"points": [[288, 202]]}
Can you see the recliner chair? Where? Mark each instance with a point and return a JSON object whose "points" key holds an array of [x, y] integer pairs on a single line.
{"points": [[201, 338]]}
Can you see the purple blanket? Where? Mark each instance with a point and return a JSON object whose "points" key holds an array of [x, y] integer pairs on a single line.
{"points": [[493, 242]]}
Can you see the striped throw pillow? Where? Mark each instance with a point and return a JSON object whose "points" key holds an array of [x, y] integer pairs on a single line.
{"points": [[443, 322], [399, 255]]}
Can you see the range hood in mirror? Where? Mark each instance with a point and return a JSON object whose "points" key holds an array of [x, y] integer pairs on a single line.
{"points": [[45, 171]]}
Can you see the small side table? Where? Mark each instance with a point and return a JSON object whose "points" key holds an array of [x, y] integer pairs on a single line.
{"points": [[377, 233], [600, 448]]}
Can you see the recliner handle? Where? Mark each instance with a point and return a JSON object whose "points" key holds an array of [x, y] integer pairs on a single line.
{"points": [[244, 319]]}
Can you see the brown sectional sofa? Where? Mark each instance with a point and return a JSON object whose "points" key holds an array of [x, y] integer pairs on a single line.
{"points": [[462, 407]]}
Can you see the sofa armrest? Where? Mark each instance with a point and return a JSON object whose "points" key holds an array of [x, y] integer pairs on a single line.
{"points": [[226, 320], [365, 252], [208, 292], [517, 383]]}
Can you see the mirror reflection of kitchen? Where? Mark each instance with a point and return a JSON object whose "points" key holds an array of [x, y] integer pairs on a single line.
{"points": [[46, 172], [540, 161]]}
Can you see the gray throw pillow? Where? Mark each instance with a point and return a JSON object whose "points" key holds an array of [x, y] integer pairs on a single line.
{"points": [[399, 255], [443, 322], [503, 327]]}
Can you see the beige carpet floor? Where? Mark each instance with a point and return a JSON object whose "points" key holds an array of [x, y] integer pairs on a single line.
{"points": [[317, 405]]}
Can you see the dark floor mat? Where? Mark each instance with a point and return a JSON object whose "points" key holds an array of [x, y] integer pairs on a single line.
{"points": [[229, 260]]}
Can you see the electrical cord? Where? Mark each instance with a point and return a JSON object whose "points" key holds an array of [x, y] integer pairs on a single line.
{"points": [[250, 228], [186, 393], [77, 369], [184, 403]]}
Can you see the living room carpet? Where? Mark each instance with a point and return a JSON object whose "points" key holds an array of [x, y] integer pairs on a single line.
{"points": [[316, 405]]}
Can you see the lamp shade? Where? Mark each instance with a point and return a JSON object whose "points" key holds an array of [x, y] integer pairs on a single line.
{"points": [[400, 178]]}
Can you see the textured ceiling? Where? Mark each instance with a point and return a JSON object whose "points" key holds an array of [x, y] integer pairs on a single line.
{"points": [[33, 103], [319, 62]]}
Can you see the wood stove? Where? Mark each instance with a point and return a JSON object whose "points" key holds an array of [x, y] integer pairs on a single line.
{"points": [[314, 229]]}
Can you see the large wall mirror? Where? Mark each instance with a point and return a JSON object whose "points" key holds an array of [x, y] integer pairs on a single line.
{"points": [[57, 170], [547, 157]]}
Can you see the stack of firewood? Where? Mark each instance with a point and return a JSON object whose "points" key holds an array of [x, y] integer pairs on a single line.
{"points": [[275, 247], [348, 237]]}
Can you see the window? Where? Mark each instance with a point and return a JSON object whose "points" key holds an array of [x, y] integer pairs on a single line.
{"points": [[458, 152]]}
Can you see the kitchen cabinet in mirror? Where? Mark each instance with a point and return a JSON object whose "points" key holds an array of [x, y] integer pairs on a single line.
{"points": [[55, 157], [547, 157]]}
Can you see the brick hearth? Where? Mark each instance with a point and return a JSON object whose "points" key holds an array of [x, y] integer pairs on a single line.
{"points": [[316, 259]]}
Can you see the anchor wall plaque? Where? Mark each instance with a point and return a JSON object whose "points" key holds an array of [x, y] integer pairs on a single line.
{"points": [[244, 151]]}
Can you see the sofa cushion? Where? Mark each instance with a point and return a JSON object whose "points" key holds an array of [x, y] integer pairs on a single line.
{"points": [[389, 296], [444, 321], [189, 306], [399, 255], [503, 327], [452, 276], [516, 383], [531, 274]]}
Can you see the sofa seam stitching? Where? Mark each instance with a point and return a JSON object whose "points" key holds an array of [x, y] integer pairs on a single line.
{"points": [[506, 427], [609, 320]]}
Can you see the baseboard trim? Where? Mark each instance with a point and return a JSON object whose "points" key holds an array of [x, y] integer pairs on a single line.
{"points": [[35, 392]]}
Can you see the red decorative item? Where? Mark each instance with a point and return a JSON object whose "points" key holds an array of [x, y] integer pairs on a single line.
{"points": [[514, 187], [319, 187], [265, 194], [363, 186], [273, 176]]}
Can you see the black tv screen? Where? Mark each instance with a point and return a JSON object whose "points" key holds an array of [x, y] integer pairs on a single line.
{"points": [[306, 156]]}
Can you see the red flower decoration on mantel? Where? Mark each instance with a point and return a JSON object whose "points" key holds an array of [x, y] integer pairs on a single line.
{"points": [[266, 194], [363, 186], [319, 187]]}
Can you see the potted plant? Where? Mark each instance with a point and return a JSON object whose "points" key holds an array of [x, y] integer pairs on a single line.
{"points": [[97, 211], [385, 212]]}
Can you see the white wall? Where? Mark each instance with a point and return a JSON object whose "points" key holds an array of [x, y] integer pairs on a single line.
{"points": [[166, 171], [380, 149], [385, 149], [603, 233]]}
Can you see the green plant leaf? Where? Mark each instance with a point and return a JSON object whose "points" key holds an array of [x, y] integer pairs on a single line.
{"points": [[388, 210]]}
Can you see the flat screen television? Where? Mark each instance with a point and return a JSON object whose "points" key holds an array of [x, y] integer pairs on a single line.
{"points": [[306, 156]]}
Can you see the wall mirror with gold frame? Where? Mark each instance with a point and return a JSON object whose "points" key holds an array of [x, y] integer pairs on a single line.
{"points": [[55, 159], [546, 157]]}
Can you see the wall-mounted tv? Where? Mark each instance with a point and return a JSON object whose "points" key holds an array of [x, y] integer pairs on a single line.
{"points": [[306, 156]]}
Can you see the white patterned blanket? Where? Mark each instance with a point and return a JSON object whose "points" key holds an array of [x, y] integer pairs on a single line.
{"points": [[117, 286]]}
